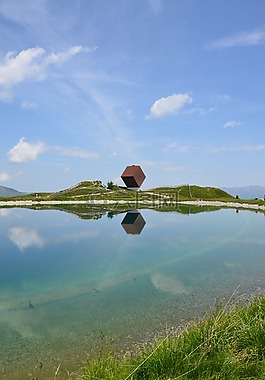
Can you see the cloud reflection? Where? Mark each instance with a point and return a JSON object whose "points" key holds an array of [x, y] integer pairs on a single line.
{"points": [[24, 237], [4, 212]]}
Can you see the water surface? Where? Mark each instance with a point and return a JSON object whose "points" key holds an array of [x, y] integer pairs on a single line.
{"points": [[67, 284]]}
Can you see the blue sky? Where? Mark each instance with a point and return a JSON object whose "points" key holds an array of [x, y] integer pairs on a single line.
{"points": [[88, 87]]}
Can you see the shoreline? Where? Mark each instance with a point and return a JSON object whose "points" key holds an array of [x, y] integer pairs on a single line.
{"points": [[224, 204], [154, 203]]}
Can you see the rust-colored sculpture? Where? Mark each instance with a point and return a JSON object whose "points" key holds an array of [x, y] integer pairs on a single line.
{"points": [[133, 176]]}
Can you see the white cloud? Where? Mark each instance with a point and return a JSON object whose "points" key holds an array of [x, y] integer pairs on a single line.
{"points": [[75, 152], [28, 105], [176, 148], [30, 64], [4, 177], [232, 124], [224, 97], [251, 38], [61, 57], [16, 68], [24, 152], [240, 148], [201, 111], [24, 237], [169, 105]]}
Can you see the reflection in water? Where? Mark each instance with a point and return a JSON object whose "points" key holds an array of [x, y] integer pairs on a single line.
{"points": [[24, 237], [90, 278], [4, 212], [133, 223]]}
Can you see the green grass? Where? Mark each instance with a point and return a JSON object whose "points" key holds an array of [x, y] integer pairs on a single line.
{"points": [[160, 198], [189, 192], [229, 345], [95, 190]]}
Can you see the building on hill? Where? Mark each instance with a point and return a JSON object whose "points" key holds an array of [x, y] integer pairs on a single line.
{"points": [[133, 176]]}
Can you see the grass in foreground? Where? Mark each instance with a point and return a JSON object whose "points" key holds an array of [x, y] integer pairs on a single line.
{"points": [[229, 345]]}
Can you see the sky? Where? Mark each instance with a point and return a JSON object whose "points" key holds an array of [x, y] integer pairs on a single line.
{"points": [[88, 87]]}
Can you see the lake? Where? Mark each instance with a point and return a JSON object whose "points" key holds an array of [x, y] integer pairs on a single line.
{"points": [[70, 284]]}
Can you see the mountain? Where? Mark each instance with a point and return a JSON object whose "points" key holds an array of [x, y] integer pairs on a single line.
{"points": [[246, 192], [9, 192]]}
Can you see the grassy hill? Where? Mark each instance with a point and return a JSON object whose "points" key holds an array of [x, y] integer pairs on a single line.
{"points": [[193, 192], [160, 197], [95, 190]]}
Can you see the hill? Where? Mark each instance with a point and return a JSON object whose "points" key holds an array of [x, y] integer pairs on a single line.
{"points": [[95, 191], [194, 192], [9, 192]]}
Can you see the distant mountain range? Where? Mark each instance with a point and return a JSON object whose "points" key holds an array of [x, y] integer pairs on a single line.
{"points": [[246, 192], [9, 192]]}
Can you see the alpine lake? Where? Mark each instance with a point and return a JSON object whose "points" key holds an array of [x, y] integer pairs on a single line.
{"points": [[72, 282]]}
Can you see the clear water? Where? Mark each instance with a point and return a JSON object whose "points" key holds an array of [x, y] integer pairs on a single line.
{"points": [[68, 284]]}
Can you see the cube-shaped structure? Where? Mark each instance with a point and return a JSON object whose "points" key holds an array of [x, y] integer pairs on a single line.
{"points": [[133, 222], [133, 176]]}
